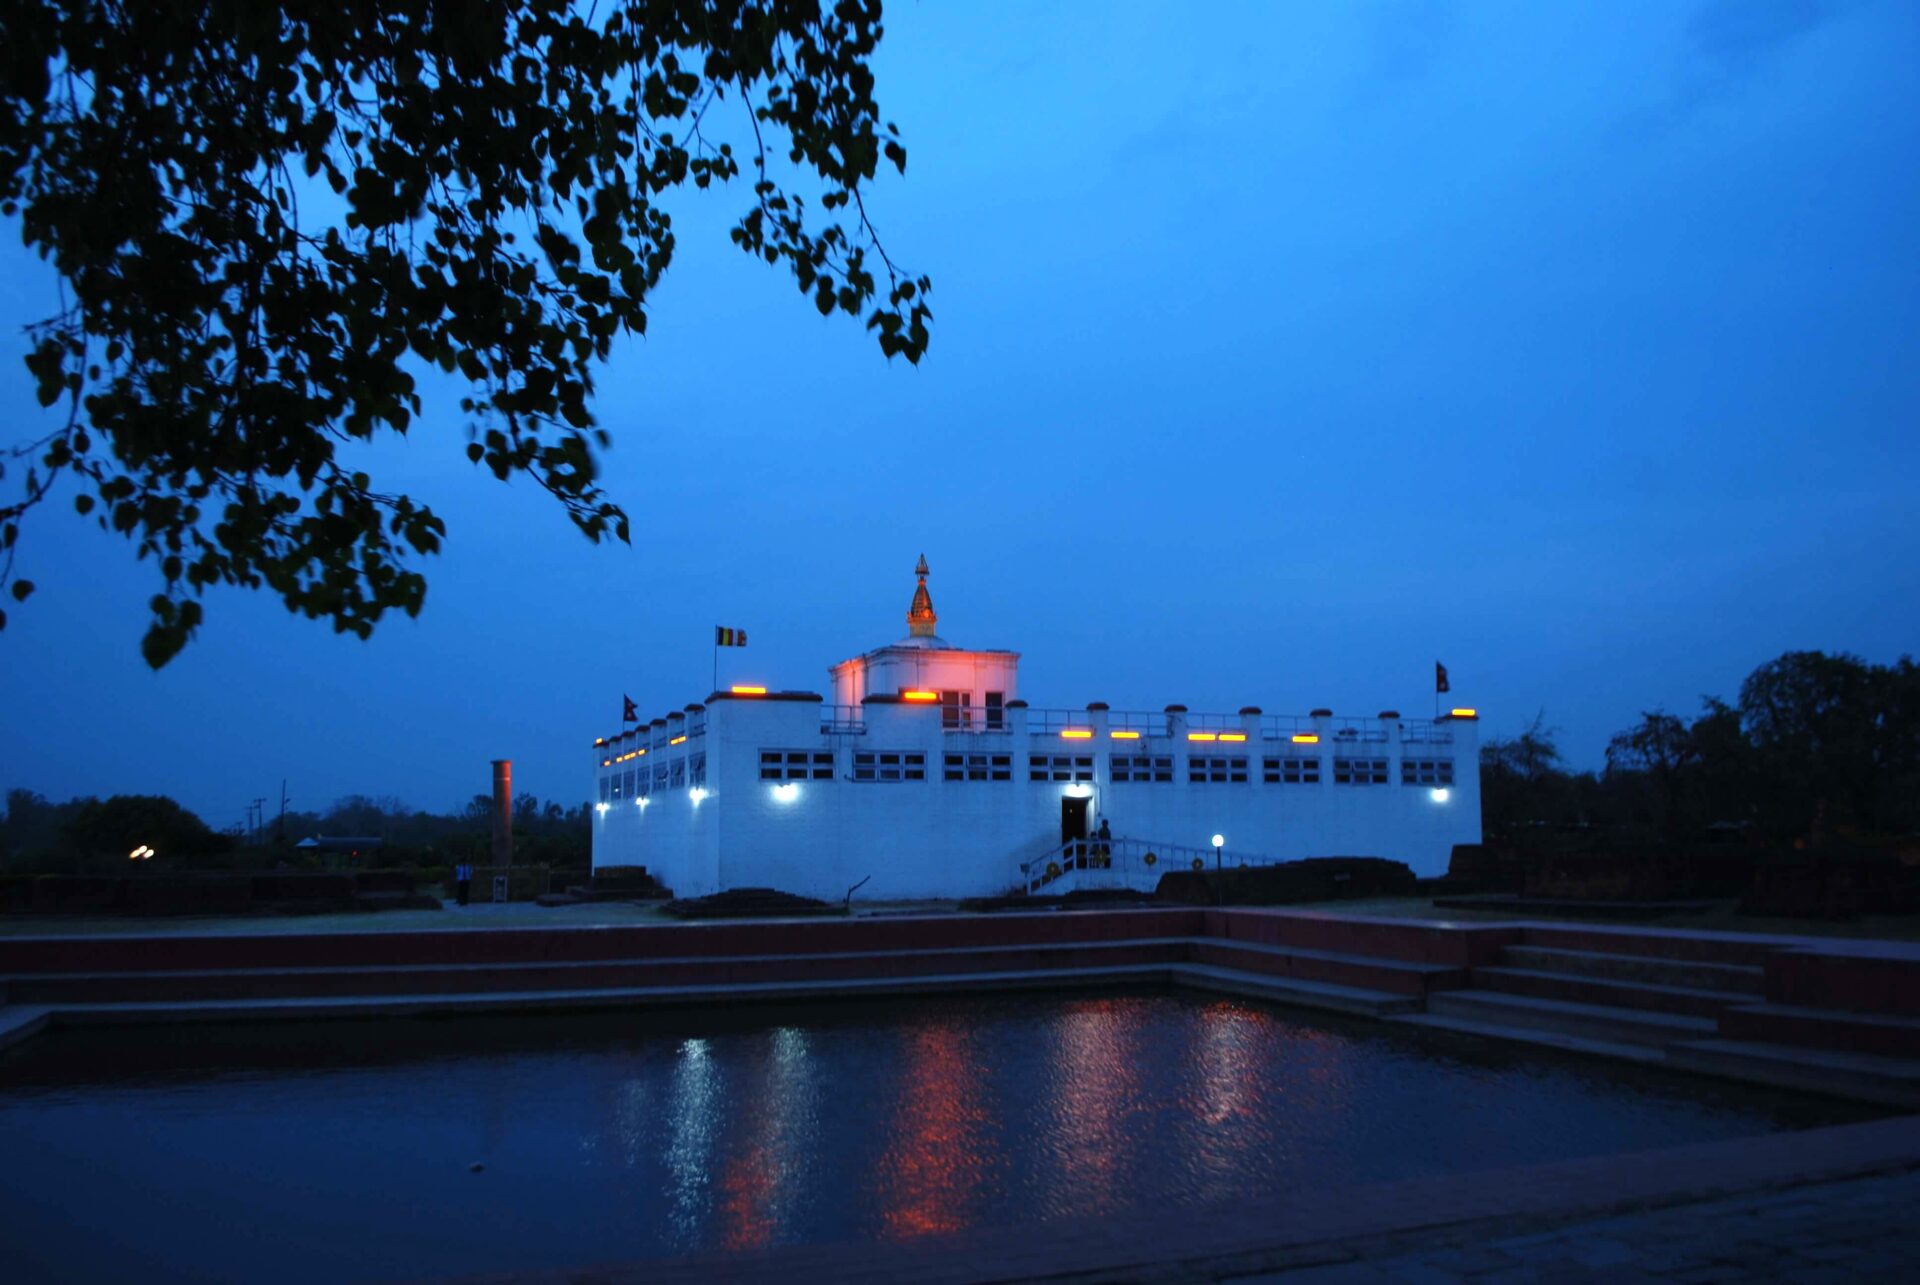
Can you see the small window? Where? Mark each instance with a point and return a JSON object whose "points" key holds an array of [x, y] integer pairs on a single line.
{"points": [[642, 783], [996, 710], [796, 765], [606, 788], [889, 765], [659, 777], [1060, 767], [697, 769], [1291, 769], [1216, 770], [1142, 767], [1359, 771], [955, 709], [1426, 771], [977, 767], [679, 774]]}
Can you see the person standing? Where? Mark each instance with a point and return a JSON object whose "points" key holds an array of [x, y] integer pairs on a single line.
{"points": [[463, 880]]}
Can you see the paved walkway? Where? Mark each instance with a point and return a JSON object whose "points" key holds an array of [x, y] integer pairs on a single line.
{"points": [[1866, 1229]]}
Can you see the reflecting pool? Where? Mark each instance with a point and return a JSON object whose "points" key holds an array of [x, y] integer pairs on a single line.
{"points": [[347, 1150]]}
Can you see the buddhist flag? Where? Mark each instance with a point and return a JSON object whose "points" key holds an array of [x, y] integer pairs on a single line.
{"points": [[1440, 683], [725, 637], [629, 714]]}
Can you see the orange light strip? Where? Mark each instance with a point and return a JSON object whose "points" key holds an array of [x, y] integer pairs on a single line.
{"points": [[1203, 736], [1466, 713], [1124, 736], [920, 698], [677, 740], [1078, 734], [748, 691], [1305, 738], [606, 762], [1233, 736]]}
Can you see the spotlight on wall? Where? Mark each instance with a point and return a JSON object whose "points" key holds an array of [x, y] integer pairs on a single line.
{"points": [[599, 807], [1442, 795], [786, 793], [1079, 791], [696, 794]]}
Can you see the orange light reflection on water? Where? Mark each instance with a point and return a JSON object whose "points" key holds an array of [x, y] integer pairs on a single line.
{"points": [[932, 1172]]}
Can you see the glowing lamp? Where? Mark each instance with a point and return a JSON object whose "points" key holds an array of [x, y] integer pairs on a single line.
{"points": [[1233, 736], [1079, 791], [599, 807], [738, 690], [1077, 734], [1442, 795], [1305, 738], [920, 697], [678, 740], [1219, 841], [696, 794], [1124, 736], [1466, 713], [1203, 736], [786, 792]]}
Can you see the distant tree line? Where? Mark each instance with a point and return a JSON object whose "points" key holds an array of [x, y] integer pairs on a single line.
{"points": [[1817, 747], [96, 835]]}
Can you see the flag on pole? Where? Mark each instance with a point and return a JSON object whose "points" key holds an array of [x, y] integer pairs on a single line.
{"points": [[725, 637], [629, 714], [1440, 683]]}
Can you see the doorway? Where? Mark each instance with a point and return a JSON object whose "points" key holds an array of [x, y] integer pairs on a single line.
{"points": [[1073, 819]]}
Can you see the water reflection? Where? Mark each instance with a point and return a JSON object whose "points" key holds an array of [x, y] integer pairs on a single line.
{"points": [[931, 1171], [630, 1138]]}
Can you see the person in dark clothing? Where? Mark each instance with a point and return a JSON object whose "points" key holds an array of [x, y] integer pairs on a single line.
{"points": [[1103, 845], [463, 879]]}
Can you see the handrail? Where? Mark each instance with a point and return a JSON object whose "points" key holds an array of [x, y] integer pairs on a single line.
{"points": [[843, 720], [1122, 863]]}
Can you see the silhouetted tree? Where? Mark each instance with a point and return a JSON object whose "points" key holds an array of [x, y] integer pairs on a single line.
{"points": [[269, 220]]}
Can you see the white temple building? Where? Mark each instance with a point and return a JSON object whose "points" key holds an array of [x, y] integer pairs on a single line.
{"points": [[925, 775]]}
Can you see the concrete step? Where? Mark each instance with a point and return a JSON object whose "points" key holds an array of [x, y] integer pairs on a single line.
{"points": [[313, 1008], [571, 975], [1295, 991], [1823, 1028], [1607, 991], [1588, 1021], [1399, 977], [22, 1021], [1654, 943], [1892, 1081], [1746, 979], [1641, 1053]]}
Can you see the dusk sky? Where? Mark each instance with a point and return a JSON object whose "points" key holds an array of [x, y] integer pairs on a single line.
{"points": [[1279, 351]]}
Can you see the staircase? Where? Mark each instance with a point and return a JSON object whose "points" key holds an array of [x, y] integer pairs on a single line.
{"points": [[1132, 865], [1700, 1002]]}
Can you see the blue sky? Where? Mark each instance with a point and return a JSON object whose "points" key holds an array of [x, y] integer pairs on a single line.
{"points": [[1279, 351]]}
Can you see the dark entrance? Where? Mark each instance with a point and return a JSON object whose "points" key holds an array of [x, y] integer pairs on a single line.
{"points": [[1073, 819]]}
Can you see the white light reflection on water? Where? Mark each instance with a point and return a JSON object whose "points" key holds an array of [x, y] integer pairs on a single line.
{"points": [[767, 1169], [693, 1113]]}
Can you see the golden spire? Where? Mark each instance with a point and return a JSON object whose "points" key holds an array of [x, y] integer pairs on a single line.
{"points": [[920, 617]]}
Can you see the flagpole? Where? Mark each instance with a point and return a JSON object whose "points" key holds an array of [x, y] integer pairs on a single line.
{"points": [[716, 661]]}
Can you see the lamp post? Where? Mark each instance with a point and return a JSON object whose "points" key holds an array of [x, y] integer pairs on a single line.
{"points": [[1218, 841]]}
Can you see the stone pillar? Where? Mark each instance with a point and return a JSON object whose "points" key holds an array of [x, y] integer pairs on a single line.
{"points": [[502, 854]]}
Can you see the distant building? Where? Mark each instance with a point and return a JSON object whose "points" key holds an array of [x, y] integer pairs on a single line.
{"points": [[927, 776]]}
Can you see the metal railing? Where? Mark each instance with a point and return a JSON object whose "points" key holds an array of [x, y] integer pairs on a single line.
{"points": [[973, 718], [843, 720], [1424, 731], [1135, 864]]}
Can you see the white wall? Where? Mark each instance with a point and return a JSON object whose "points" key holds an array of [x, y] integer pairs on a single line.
{"points": [[935, 838]]}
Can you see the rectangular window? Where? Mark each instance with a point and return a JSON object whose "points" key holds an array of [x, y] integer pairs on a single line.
{"points": [[1359, 771], [796, 765], [978, 767], [1291, 770], [606, 788], [642, 783], [1142, 767], [1426, 771], [1203, 770], [1060, 767], [679, 774], [955, 709], [889, 765], [697, 769], [996, 711], [659, 777]]}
